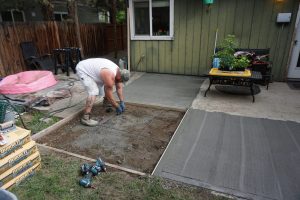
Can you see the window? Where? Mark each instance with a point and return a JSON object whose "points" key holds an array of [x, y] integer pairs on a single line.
{"points": [[13, 16], [60, 16], [103, 16], [152, 19]]}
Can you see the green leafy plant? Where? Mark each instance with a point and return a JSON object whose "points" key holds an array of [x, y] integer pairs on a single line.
{"points": [[240, 63], [228, 61]]}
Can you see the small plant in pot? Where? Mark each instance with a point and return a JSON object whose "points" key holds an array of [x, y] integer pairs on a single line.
{"points": [[228, 62], [240, 63]]}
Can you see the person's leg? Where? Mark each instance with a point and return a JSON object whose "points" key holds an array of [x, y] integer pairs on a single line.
{"points": [[89, 104], [93, 91]]}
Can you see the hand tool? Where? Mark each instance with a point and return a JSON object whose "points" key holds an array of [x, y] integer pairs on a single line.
{"points": [[85, 169], [86, 181], [101, 164]]}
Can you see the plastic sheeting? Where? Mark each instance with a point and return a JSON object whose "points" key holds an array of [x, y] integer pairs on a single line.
{"points": [[27, 82]]}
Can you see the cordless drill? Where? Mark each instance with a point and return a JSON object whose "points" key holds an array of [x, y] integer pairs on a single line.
{"points": [[86, 181], [88, 171]]}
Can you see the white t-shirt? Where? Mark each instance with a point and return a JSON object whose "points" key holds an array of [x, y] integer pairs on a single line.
{"points": [[93, 66]]}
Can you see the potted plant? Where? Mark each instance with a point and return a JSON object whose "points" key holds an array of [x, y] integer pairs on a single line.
{"points": [[229, 62]]}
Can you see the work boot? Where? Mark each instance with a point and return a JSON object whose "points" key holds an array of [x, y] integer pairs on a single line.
{"points": [[86, 120], [107, 105]]}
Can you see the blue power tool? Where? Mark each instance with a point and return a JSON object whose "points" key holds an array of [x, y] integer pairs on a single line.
{"points": [[88, 171], [86, 181], [100, 163]]}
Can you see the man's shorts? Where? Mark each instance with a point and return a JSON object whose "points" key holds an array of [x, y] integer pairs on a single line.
{"points": [[90, 85]]}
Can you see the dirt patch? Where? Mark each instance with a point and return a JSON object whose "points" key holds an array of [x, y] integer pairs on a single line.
{"points": [[136, 139]]}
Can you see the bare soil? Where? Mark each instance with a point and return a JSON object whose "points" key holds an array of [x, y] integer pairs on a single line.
{"points": [[136, 139]]}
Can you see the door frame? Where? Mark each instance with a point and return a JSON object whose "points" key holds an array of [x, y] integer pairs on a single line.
{"points": [[297, 26]]}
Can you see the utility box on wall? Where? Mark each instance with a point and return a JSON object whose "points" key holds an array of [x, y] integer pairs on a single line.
{"points": [[284, 17]]}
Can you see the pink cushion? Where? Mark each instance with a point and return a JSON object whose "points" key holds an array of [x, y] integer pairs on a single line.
{"points": [[26, 82]]}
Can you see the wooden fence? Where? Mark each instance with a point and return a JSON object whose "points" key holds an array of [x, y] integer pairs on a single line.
{"points": [[97, 40]]}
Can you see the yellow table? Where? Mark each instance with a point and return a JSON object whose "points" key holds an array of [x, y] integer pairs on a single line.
{"points": [[217, 72], [236, 78]]}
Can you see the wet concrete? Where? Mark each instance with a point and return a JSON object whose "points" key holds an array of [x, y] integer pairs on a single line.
{"points": [[136, 139]]}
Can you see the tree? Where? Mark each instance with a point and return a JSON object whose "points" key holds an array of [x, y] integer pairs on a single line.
{"points": [[113, 6], [47, 9], [73, 17]]}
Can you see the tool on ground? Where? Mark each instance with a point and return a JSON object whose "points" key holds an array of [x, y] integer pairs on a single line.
{"points": [[88, 171], [109, 109], [95, 170], [101, 164], [86, 181], [85, 169]]}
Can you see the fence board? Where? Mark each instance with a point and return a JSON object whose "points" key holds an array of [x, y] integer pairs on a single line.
{"points": [[97, 40]]}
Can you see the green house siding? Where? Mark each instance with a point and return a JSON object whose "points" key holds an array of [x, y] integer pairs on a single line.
{"points": [[253, 22]]}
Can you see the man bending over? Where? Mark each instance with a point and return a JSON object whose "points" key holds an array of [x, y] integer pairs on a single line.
{"points": [[99, 76]]}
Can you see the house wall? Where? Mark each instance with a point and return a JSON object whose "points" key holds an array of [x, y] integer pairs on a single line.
{"points": [[85, 14], [253, 22]]}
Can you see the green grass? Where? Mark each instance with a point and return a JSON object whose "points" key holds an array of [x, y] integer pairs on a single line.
{"points": [[32, 121], [58, 179]]}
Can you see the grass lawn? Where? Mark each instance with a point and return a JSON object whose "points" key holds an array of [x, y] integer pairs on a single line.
{"points": [[59, 176], [33, 121]]}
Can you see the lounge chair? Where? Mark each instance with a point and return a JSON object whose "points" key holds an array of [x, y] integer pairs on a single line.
{"points": [[33, 60]]}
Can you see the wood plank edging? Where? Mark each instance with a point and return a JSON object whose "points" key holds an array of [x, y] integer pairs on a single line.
{"points": [[92, 160]]}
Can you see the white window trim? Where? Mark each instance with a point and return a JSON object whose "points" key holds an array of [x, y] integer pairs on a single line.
{"points": [[151, 37], [61, 13]]}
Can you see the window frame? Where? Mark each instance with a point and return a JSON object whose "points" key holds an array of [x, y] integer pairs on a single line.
{"points": [[11, 11], [60, 13], [150, 36]]}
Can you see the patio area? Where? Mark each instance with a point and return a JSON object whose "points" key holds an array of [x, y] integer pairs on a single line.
{"points": [[224, 142]]}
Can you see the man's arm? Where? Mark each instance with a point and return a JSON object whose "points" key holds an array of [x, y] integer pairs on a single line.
{"points": [[108, 80], [119, 88]]}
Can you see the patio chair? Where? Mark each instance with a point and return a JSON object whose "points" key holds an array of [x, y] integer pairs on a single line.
{"points": [[35, 61], [261, 63]]}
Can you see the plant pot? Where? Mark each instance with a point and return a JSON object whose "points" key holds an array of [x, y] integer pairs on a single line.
{"points": [[227, 68], [238, 69], [224, 68]]}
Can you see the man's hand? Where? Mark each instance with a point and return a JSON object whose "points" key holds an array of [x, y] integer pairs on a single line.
{"points": [[122, 105], [119, 110]]}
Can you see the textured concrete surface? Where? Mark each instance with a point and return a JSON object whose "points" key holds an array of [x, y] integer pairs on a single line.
{"points": [[247, 157], [164, 90], [279, 102]]}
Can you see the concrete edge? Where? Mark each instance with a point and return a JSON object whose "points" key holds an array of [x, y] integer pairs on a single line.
{"points": [[185, 114], [157, 107], [223, 190]]}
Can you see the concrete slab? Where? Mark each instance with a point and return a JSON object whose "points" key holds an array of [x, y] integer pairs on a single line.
{"points": [[279, 102], [136, 139], [164, 90], [246, 157]]}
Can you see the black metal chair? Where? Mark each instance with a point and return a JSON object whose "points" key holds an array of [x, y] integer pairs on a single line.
{"points": [[66, 58], [35, 61]]}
